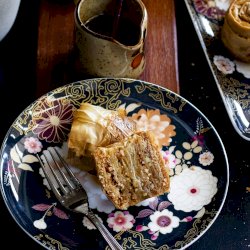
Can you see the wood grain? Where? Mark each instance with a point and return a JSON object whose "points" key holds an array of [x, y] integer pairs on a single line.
{"points": [[57, 59], [161, 45], [55, 45]]}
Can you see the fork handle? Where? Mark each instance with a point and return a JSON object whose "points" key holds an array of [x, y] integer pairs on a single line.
{"points": [[114, 245]]}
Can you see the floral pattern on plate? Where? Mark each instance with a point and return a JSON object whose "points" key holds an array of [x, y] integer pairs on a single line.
{"points": [[191, 148], [232, 76]]}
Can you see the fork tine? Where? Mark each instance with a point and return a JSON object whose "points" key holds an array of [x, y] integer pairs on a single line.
{"points": [[54, 189], [69, 171], [59, 167], [76, 198], [56, 176]]}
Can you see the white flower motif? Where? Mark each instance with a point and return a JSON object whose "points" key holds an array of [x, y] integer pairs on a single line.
{"points": [[206, 158], [146, 202], [243, 68], [121, 221], [88, 224], [97, 199], [222, 4], [163, 221], [224, 65], [192, 189]]}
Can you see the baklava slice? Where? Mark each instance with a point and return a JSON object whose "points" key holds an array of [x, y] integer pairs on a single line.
{"points": [[94, 126], [132, 170]]}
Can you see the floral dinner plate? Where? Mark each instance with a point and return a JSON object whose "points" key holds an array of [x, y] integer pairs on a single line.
{"points": [[232, 77], [190, 145]]}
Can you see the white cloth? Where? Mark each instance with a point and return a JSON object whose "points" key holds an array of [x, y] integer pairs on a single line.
{"points": [[8, 13]]}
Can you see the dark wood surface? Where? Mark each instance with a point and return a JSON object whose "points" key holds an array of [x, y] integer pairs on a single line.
{"points": [[161, 45], [55, 46], [57, 57]]}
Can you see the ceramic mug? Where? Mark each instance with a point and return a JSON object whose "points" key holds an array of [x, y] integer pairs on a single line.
{"points": [[8, 12], [110, 37]]}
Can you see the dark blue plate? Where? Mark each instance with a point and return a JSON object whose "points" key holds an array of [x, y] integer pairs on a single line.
{"points": [[191, 147]]}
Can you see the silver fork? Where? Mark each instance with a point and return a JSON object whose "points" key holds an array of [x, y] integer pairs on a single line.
{"points": [[69, 191]]}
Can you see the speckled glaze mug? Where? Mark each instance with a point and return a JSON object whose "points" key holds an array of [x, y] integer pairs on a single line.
{"points": [[110, 38]]}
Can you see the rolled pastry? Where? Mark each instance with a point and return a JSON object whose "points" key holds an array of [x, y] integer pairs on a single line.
{"points": [[235, 33], [92, 127]]}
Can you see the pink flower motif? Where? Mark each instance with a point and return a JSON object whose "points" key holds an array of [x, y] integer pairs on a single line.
{"points": [[163, 221], [155, 236], [187, 219], [209, 9], [120, 221], [169, 159], [224, 65], [199, 138], [33, 145], [141, 228]]}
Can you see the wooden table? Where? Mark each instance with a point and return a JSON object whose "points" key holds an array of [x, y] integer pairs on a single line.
{"points": [[56, 55]]}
